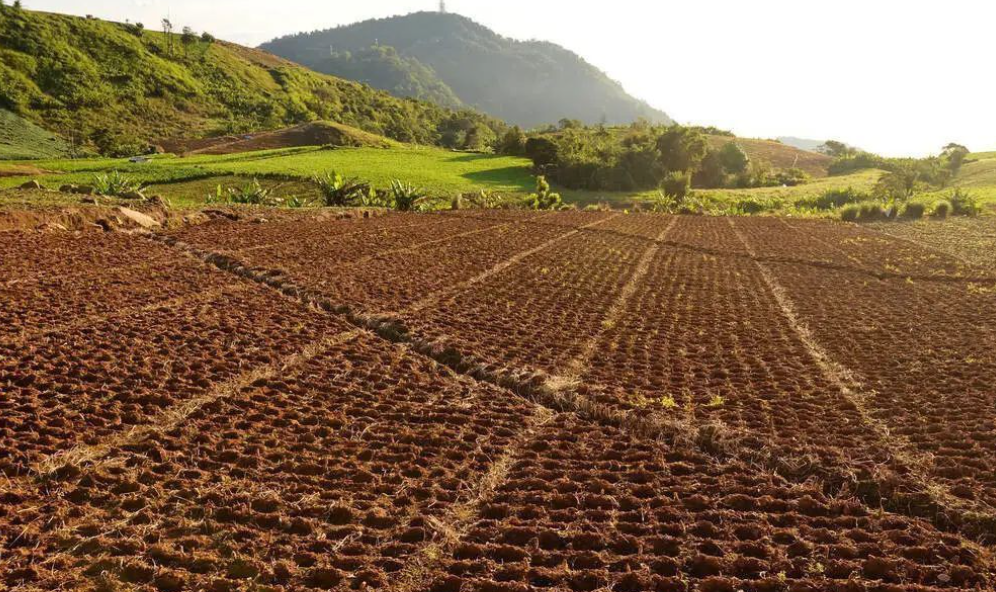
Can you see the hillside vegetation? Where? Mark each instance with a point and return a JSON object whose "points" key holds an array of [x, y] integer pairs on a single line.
{"points": [[433, 55], [22, 139], [120, 87]]}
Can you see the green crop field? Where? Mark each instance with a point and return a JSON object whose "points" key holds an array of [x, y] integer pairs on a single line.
{"points": [[439, 172], [20, 139]]}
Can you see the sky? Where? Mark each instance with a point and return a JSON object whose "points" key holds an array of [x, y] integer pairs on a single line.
{"points": [[896, 77]]}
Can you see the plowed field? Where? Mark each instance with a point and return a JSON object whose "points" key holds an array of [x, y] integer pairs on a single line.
{"points": [[497, 402]]}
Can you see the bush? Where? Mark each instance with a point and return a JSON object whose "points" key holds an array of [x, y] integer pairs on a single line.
{"points": [[849, 213], [114, 183], [677, 184], [406, 197], [542, 151], [338, 192], [942, 210], [831, 199], [252, 193], [544, 198], [914, 211], [863, 212], [964, 204]]}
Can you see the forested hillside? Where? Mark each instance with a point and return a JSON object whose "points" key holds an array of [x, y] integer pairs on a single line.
{"points": [[526, 83], [118, 88]]}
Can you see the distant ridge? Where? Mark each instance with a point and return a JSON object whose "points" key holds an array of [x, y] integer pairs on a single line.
{"points": [[445, 57]]}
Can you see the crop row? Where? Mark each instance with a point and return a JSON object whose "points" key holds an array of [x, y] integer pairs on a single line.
{"points": [[332, 475], [337, 239], [587, 507], [48, 304], [36, 256], [924, 354], [969, 239], [81, 385], [540, 311]]}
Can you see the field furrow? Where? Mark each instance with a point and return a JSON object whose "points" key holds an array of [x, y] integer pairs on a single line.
{"points": [[329, 475], [541, 311], [82, 385], [923, 368], [587, 507]]}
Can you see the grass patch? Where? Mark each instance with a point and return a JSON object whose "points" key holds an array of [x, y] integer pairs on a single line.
{"points": [[440, 173]]}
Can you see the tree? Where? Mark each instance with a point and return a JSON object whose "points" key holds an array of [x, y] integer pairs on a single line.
{"points": [[734, 158], [899, 184], [836, 149], [955, 155], [542, 151], [188, 38], [207, 37], [513, 143], [711, 173], [168, 33], [681, 149]]}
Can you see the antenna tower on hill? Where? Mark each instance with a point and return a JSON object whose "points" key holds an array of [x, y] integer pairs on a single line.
{"points": [[442, 6]]}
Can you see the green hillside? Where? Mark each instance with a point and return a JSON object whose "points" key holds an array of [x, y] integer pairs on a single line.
{"points": [[525, 83], [22, 139], [121, 87]]}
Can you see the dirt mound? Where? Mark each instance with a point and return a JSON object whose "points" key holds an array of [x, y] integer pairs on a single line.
{"points": [[308, 134], [778, 155]]}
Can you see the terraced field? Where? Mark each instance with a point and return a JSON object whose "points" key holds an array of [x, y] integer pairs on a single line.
{"points": [[497, 402]]}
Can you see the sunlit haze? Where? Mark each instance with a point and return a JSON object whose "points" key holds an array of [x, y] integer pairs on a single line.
{"points": [[897, 77]]}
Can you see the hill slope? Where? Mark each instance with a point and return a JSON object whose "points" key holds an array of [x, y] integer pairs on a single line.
{"points": [[779, 155], [527, 83], [120, 87], [20, 139]]}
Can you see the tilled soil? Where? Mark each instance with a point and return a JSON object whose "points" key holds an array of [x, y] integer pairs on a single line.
{"points": [[495, 401]]}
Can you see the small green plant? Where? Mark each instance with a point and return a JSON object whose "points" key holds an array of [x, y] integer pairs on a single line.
{"points": [[544, 198], [964, 203], [484, 200], [297, 202], [252, 193], [406, 197], [114, 183], [338, 191], [942, 210]]}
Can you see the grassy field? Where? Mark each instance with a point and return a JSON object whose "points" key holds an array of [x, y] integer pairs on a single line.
{"points": [[440, 172]]}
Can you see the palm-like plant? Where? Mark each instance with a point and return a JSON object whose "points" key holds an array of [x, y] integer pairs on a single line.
{"points": [[339, 191]]}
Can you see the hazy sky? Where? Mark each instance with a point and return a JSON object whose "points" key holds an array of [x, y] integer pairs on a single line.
{"points": [[899, 77]]}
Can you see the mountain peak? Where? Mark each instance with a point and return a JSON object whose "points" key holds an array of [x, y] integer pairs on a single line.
{"points": [[446, 57]]}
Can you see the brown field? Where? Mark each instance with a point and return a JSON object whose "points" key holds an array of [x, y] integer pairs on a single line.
{"points": [[779, 156], [498, 402]]}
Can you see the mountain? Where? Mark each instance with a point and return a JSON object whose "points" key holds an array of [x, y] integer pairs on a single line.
{"points": [[118, 88], [528, 83], [801, 143]]}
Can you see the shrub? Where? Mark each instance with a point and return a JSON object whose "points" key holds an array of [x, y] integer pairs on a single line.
{"points": [[677, 184], [544, 198], [114, 183], [483, 199], [406, 197], [338, 192], [942, 210], [872, 212], [914, 211], [831, 199], [964, 203], [849, 213], [863, 212], [791, 177], [252, 193], [542, 151]]}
